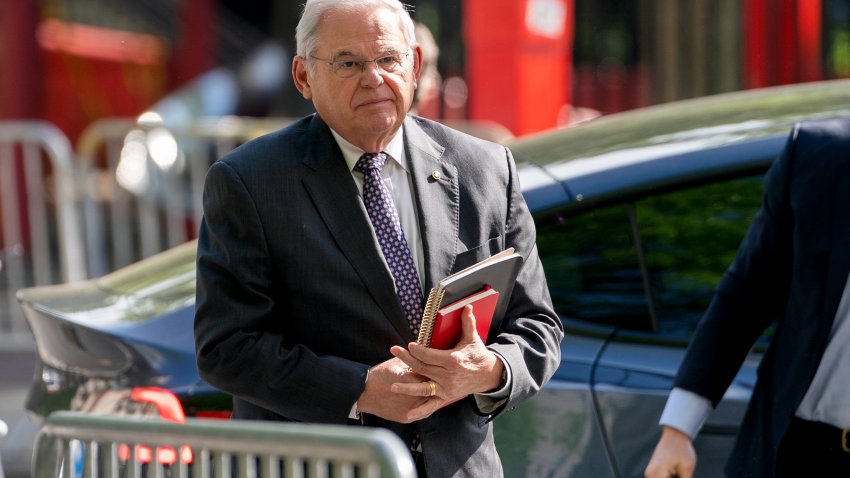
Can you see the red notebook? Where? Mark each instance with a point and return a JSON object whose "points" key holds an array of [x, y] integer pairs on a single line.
{"points": [[498, 272], [447, 327]]}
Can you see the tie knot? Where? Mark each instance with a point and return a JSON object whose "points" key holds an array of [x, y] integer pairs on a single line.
{"points": [[370, 161]]}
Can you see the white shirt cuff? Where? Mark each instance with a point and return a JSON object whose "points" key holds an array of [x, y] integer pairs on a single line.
{"points": [[353, 413], [490, 401], [686, 411]]}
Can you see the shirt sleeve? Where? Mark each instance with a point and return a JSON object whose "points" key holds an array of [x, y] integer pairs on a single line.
{"points": [[686, 411]]}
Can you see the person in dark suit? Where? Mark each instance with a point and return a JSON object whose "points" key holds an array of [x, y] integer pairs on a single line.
{"points": [[313, 261], [792, 267]]}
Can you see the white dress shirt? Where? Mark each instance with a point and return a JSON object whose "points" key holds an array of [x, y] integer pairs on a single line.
{"points": [[826, 400], [397, 178]]}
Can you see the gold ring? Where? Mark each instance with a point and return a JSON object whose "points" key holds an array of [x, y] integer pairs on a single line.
{"points": [[433, 387]]}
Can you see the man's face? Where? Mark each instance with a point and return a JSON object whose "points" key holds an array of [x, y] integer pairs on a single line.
{"points": [[370, 106]]}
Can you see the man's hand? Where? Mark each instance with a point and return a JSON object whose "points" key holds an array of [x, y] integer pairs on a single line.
{"points": [[674, 456], [466, 369], [376, 398]]}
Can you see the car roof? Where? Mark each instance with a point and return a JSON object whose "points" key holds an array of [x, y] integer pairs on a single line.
{"points": [[668, 146]]}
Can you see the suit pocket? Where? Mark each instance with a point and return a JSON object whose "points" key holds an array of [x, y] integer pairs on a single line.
{"points": [[471, 256]]}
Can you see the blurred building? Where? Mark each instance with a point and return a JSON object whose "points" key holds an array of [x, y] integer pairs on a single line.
{"points": [[527, 64], [74, 61], [631, 53], [623, 54]]}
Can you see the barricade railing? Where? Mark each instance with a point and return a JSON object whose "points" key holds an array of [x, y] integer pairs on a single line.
{"points": [[133, 188], [41, 237], [75, 445], [145, 182]]}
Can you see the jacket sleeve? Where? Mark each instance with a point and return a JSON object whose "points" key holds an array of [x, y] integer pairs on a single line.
{"points": [[531, 332], [752, 293]]}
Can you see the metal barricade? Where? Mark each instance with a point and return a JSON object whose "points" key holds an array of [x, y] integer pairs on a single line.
{"points": [[145, 182], [41, 239], [132, 190], [75, 445]]}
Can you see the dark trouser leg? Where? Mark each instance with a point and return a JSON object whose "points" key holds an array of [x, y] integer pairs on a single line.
{"points": [[812, 449]]}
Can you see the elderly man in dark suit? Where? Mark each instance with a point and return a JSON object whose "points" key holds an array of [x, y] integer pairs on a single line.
{"points": [[319, 240], [792, 267]]}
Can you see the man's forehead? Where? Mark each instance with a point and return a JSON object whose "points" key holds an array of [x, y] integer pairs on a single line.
{"points": [[353, 51], [373, 32]]}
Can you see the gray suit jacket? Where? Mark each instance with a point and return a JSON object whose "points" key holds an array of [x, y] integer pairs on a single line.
{"points": [[294, 302]]}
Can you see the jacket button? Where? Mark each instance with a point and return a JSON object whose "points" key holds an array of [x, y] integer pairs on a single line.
{"points": [[436, 175]]}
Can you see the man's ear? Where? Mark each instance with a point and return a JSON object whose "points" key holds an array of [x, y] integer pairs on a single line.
{"points": [[417, 63], [301, 77]]}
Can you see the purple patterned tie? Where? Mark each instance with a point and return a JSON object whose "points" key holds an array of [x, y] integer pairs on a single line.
{"points": [[384, 217]]}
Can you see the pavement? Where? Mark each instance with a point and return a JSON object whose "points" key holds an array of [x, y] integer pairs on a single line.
{"points": [[17, 365]]}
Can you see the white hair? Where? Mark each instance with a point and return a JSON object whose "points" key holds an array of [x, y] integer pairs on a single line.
{"points": [[306, 33]]}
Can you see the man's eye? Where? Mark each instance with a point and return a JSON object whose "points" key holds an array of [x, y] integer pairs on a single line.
{"points": [[387, 61], [347, 64]]}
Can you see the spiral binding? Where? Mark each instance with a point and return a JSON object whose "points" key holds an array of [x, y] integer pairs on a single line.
{"points": [[426, 327]]}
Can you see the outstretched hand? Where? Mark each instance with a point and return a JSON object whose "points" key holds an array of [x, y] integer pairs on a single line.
{"points": [[449, 375]]}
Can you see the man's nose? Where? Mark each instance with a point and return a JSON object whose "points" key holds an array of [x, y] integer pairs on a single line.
{"points": [[371, 75]]}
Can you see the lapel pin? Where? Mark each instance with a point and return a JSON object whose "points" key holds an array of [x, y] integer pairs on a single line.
{"points": [[436, 175]]}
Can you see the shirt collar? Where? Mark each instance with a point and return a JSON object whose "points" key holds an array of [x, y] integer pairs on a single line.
{"points": [[351, 153]]}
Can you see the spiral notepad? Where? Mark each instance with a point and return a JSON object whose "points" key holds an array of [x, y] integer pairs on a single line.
{"points": [[426, 327], [498, 272]]}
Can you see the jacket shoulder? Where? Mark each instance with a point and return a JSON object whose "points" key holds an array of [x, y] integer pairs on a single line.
{"points": [[447, 135], [822, 138], [282, 143]]}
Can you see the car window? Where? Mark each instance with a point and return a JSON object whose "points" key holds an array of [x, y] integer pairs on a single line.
{"points": [[687, 238], [592, 268]]}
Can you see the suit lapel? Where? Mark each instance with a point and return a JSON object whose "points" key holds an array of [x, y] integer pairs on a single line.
{"points": [[436, 191], [337, 200]]}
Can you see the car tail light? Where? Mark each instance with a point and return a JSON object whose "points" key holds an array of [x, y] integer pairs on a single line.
{"points": [[170, 410], [165, 455], [166, 402]]}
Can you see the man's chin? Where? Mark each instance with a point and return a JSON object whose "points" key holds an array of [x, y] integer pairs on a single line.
{"points": [[381, 126]]}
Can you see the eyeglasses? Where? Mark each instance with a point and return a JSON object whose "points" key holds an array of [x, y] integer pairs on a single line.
{"points": [[348, 68]]}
